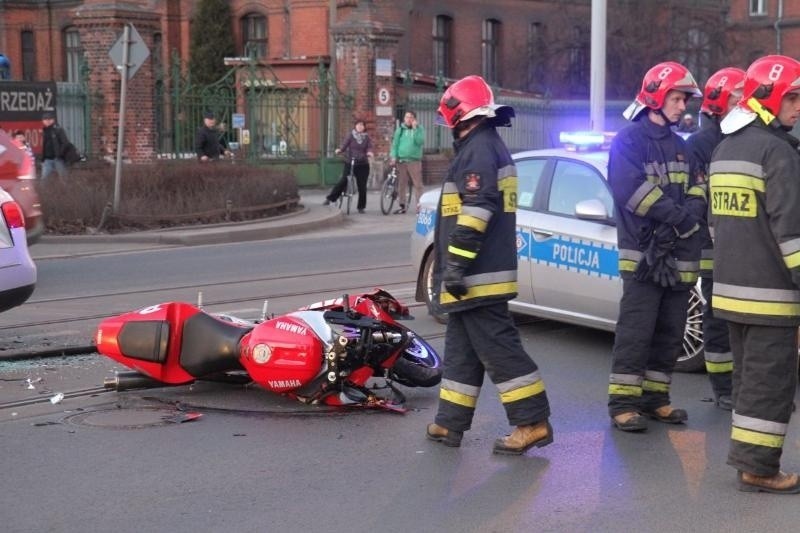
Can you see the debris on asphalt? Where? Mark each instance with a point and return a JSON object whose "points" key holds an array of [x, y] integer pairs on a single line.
{"points": [[180, 418], [57, 398]]}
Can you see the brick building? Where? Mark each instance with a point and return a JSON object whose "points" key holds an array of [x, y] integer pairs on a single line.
{"points": [[530, 47], [760, 27]]}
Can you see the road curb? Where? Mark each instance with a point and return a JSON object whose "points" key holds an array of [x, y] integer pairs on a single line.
{"points": [[279, 226]]}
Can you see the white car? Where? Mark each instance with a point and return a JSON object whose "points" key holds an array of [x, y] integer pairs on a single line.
{"points": [[17, 269], [566, 246]]}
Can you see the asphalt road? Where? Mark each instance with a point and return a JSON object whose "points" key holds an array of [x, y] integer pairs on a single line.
{"points": [[254, 462]]}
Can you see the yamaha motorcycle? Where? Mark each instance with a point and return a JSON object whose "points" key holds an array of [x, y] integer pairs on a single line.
{"points": [[323, 353]]}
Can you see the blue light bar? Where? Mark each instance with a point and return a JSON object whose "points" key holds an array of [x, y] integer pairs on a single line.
{"points": [[585, 140], [581, 138]]}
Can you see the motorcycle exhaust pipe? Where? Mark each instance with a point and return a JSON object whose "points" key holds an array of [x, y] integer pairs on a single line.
{"points": [[123, 381]]}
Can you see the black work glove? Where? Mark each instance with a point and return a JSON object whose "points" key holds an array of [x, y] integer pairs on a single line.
{"points": [[665, 271], [453, 280], [658, 265]]}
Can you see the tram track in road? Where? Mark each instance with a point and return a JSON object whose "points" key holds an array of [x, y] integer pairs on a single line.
{"points": [[313, 295], [267, 279], [68, 395]]}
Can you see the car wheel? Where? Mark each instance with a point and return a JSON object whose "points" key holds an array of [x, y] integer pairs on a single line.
{"points": [[427, 283], [692, 358]]}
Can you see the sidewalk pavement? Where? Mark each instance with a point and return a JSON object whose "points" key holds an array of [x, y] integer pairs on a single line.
{"points": [[311, 216]]}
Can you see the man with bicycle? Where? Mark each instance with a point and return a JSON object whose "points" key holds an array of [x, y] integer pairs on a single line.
{"points": [[406, 153]]}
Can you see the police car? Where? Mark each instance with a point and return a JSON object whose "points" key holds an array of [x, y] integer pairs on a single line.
{"points": [[566, 242]]}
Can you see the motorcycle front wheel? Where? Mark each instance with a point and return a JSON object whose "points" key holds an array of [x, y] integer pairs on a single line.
{"points": [[418, 366]]}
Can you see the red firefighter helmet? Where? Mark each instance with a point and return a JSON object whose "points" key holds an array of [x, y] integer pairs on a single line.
{"points": [[470, 97], [719, 88], [659, 80], [767, 81]]}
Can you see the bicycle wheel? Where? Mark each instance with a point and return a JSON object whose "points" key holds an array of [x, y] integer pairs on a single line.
{"points": [[388, 194], [351, 185]]}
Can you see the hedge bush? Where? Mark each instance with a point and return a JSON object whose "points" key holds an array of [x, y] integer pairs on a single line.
{"points": [[164, 194]]}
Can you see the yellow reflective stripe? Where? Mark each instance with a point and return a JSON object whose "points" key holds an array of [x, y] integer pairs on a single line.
{"points": [[696, 191], [689, 277], [655, 386], [461, 252], [471, 222], [627, 265], [756, 308], [678, 177], [458, 398], [648, 201], [754, 437], [491, 289], [706, 264], [451, 204], [792, 260], [719, 368], [523, 392], [624, 390], [740, 181], [508, 188]]}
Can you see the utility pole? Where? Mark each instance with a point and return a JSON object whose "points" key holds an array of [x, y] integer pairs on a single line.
{"points": [[597, 76]]}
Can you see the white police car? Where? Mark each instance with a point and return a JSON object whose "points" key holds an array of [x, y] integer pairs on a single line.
{"points": [[566, 243]]}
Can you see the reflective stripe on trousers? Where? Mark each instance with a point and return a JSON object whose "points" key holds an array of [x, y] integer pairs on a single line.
{"points": [[764, 384], [649, 338], [485, 340]]}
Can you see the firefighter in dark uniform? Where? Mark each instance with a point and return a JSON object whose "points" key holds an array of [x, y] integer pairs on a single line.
{"points": [[722, 92], [476, 276], [755, 194], [658, 209]]}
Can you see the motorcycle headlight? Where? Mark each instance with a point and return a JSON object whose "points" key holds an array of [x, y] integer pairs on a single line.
{"points": [[262, 354]]}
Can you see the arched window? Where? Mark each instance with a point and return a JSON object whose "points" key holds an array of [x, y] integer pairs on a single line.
{"points": [[442, 38], [254, 35], [73, 54], [490, 44]]}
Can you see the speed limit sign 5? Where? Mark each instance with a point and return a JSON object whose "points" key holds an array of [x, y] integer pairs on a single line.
{"points": [[383, 96]]}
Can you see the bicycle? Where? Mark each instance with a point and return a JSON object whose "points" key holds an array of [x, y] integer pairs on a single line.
{"points": [[389, 192], [350, 190]]}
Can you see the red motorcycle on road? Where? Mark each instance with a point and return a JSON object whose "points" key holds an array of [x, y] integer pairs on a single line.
{"points": [[322, 353]]}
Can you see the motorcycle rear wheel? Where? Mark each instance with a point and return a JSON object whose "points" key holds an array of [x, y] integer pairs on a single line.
{"points": [[418, 366]]}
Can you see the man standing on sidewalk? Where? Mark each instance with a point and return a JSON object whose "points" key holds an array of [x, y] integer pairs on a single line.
{"points": [[406, 153]]}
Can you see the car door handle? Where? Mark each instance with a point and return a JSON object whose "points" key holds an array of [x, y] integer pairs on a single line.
{"points": [[542, 234]]}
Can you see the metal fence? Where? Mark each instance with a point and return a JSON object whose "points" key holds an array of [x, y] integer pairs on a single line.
{"points": [[74, 108], [537, 123], [279, 121]]}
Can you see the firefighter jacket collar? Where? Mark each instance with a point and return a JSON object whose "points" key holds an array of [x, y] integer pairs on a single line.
{"points": [[459, 144], [653, 130]]}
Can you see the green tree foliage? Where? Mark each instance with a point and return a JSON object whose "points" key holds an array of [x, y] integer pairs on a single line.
{"points": [[211, 40]]}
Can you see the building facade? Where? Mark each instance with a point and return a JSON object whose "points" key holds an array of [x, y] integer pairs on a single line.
{"points": [[538, 48]]}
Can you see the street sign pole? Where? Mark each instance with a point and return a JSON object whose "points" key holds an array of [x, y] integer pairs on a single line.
{"points": [[126, 36]]}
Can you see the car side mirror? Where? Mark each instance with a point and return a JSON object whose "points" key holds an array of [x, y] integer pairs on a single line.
{"points": [[593, 209]]}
